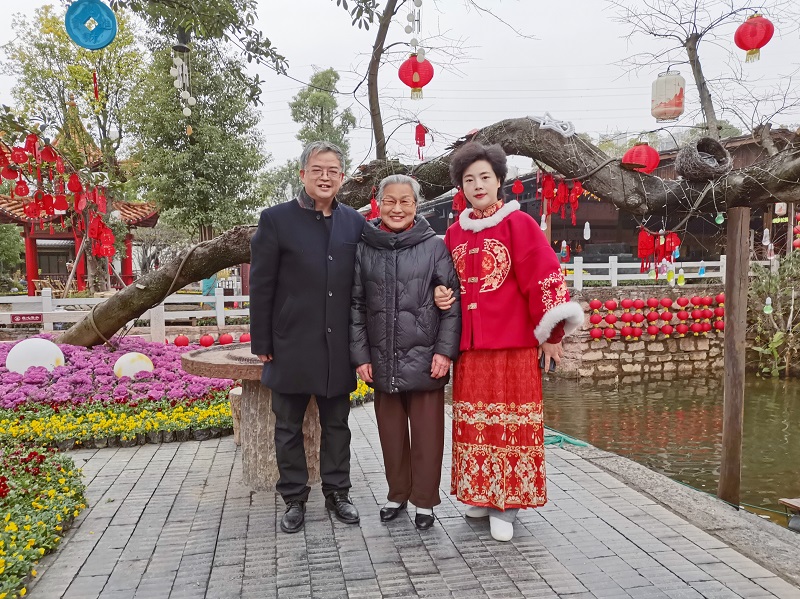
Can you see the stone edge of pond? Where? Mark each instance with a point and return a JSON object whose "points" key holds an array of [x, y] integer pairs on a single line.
{"points": [[773, 547]]}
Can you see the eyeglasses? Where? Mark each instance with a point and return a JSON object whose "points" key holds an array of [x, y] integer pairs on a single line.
{"points": [[405, 203], [317, 172]]}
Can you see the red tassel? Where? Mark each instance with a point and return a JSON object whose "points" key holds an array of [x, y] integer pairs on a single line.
{"points": [[459, 201], [574, 195], [548, 187], [51, 228], [96, 88]]}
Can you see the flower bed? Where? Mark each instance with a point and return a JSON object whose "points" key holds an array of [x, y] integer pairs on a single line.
{"points": [[362, 394], [84, 403], [40, 494]]}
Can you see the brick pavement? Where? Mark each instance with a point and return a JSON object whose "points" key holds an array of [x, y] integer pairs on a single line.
{"points": [[175, 521]]}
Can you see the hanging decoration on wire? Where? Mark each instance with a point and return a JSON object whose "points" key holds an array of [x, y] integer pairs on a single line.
{"points": [[416, 72], [459, 201], [181, 71], [420, 132], [656, 248], [642, 158], [374, 211], [90, 24], [754, 34], [517, 188], [667, 98]]}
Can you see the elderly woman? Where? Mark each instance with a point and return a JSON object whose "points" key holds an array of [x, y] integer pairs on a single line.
{"points": [[403, 345], [516, 310]]}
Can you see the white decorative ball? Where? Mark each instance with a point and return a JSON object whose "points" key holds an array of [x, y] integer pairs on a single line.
{"points": [[34, 352], [173, 71], [177, 61], [409, 29], [187, 112], [191, 101], [414, 41], [178, 84], [421, 55], [184, 94], [417, 3], [132, 363], [410, 17]]}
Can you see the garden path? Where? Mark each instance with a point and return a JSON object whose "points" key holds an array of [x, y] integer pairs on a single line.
{"points": [[175, 521]]}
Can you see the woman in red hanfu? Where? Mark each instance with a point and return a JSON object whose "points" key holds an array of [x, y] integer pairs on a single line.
{"points": [[515, 310]]}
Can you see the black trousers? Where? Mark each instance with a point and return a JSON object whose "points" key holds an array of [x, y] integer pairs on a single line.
{"points": [[334, 452]]}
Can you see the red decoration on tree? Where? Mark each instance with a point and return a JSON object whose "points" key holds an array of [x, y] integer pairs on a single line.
{"points": [[21, 188], [416, 75], [19, 156], [575, 193], [754, 34], [74, 183], [374, 210], [31, 143], [517, 188], [641, 158], [459, 201], [419, 136], [48, 154]]}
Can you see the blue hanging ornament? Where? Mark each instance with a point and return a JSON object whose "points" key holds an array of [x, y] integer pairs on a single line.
{"points": [[677, 253], [563, 252], [702, 271], [91, 24]]}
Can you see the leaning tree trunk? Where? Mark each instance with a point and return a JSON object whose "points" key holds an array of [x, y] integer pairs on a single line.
{"points": [[197, 263], [706, 103], [372, 79], [776, 177]]}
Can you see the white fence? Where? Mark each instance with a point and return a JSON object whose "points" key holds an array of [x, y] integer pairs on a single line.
{"points": [[614, 272], [48, 310]]}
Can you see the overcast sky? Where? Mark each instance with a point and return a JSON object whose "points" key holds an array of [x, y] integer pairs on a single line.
{"points": [[568, 70]]}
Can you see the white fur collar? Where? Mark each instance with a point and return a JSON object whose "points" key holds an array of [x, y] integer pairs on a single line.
{"points": [[479, 224]]}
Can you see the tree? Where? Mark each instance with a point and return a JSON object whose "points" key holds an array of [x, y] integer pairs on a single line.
{"points": [[315, 108], [11, 248], [279, 184], [205, 180], [158, 245]]}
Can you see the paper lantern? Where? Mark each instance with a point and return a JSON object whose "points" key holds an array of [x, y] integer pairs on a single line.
{"points": [[611, 319], [638, 318], [626, 304], [225, 339], [596, 319], [752, 35], [627, 332], [641, 158], [626, 317], [416, 75], [667, 329], [34, 352], [652, 330], [611, 305], [244, 338], [596, 333], [182, 341], [667, 98], [132, 363], [610, 333], [595, 304]]}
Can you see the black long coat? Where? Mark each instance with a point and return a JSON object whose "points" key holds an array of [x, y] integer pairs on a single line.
{"points": [[394, 323], [301, 279]]}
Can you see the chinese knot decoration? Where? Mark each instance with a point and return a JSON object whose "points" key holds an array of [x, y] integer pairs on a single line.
{"points": [[752, 35], [419, 137], [416, 75]]}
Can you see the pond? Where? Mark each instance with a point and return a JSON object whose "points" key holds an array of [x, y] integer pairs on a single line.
{"points": [[675, 428]]}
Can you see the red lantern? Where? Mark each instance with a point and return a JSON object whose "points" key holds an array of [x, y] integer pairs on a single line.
{"points": [[652, 316], [706, 327], [752, 35], [641, 158], [8, 173], [652, 302], [666, 302], [626, 317], [416, 75], [626, 304], [696, 328], [697, 301], [459, 201], [517, 188], [720, 325], [206, 341], [19, 156], [595, 319], [596, 333], [707, 313], [611, 319], [637, 332], [181, 341], [719, 311], [60, 202], [595, 304], [682, 329], [796, 243], [638, 304], [683, 315], [611, 305], [697, 314], [21, 188], [720, 298], [683, 302], [627, 332], [48, 154], [225, 339], [667, 330], [638, 318], [610, 333], [666, 316], [244, 338], [74, 183], [652, 330]]}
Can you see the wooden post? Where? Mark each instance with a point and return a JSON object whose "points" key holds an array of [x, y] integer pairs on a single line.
{"points": [[737, 267], [577, 269]]}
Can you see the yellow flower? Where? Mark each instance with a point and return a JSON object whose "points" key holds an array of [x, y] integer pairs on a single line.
{"points": [[23, 591], [34, 572]]}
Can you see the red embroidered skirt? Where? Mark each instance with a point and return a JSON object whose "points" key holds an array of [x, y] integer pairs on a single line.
{"points": [[498, 429]]}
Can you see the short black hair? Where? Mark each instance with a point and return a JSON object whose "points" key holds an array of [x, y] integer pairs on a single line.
{"points": [[473, 151]]}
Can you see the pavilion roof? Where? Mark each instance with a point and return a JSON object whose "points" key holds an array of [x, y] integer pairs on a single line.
{"points": [[133, 214]]}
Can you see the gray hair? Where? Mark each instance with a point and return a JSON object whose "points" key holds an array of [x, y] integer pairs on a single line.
{"points": [[315, 147], [400, 180]]}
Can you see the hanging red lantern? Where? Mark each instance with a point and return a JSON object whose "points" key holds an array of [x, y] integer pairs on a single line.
{"points": [[419, 137], [752, 35], [8, 172], [683, 302], [21, 189], [459, 201], [683, 315], [19, 156], [637, 332], [682, 329], [626, 304], [667, 329], [596, 333], [720, 325], [626, 317], [641, 158], [74, 183], [610, 333], [595, 304], [416, 75], [596, 318], [611, 305], [48, 154], [60, 202], [652, 330], [638, 304], [611, 319], [517, 188], [627, 332], [638, 318]]}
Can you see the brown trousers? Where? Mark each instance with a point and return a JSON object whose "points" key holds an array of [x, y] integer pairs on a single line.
{"points": [[413, 465]]}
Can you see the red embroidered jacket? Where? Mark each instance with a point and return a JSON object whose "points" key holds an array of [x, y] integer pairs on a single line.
{"points": [[512, 291]]}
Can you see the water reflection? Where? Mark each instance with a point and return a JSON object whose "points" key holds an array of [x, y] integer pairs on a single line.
{"points": [[676, 428]]}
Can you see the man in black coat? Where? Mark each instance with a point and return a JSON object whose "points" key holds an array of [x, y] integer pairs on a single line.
{"points": [[301, 280]]}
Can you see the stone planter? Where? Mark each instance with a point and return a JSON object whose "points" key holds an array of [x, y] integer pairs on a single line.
{"points": [[154, 437], [202, 434], [100, 442], [168, 436], [132, 442], [65, 444], [183, 435]]}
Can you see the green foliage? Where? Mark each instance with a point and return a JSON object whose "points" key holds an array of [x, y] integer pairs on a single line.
{"points": [[208, 177], [279, 184], [315, 108], [776, 335], [11, 247]]}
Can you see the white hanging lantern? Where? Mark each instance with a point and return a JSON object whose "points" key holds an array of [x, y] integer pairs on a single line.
{"points": [[587, 231], [667, 100], [780, 209]]}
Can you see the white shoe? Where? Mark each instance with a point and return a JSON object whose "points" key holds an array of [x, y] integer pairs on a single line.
{"points": [[474, 511], [501, 530]]}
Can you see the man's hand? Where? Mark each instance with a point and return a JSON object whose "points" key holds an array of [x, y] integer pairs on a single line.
{"points": [[365, 372], [443, 297], [265, 359], [551, 350], [440, 366]]}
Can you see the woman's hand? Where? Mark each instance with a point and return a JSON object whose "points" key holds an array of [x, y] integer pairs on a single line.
{"points": [[443, 297], [440, 366], [551, 350], [365, 372]]}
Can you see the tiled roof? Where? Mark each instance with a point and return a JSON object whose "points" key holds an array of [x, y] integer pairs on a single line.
{"points": [[139, 214]]}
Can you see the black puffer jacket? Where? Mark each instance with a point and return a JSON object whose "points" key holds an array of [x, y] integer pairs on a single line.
{"points": [[394, 323]]}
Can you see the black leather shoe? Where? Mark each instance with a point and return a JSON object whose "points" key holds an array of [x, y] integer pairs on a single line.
{"points": [[423, 521], [294, 517], [390, 513], [340, 504]]}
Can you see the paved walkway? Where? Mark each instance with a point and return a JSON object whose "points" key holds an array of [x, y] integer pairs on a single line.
{"points": [[175, 521]]}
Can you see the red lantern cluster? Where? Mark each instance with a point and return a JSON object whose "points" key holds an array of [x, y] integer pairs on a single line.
{"points": [[557, 194], [641, 158], [754, 34], [666, 317]]}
